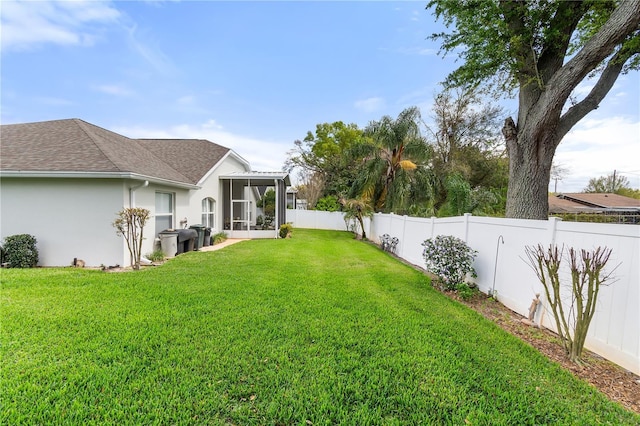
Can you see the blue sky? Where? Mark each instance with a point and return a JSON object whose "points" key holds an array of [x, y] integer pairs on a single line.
{"points": [[256, 76]]}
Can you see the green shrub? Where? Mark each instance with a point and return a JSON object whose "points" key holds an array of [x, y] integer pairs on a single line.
{"points": [[285, 230], [329, 204], [465, 292], [449, 258], [156, 256], [21, 251], [219, 237]]}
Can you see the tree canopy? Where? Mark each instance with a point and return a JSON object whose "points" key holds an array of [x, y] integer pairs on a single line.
{"points": [[613, 184], [392, 150], [451, 164], [544, 50], [468, 164], [322, 159]]}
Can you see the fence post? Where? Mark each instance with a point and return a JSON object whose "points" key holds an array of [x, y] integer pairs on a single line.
{"points": [[466, 227], [404, 233], [552, 224], [552, 229], [433, 225]]}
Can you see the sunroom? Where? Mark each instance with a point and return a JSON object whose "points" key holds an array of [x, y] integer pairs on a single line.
{"points": [[254, 203]]}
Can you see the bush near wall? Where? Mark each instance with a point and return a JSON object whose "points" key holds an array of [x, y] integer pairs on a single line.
{"points": [[285, 230], [20, 251]]}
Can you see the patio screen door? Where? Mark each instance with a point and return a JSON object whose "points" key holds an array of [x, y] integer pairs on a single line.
{"points": [[241, 216]]}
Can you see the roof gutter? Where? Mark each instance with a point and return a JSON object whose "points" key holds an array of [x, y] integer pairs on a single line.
{"points": [[94, 175]]}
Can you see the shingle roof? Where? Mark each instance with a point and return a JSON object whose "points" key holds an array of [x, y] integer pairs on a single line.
{"points": [[559, 205], [605, 200], [591, 202], [193, 157], [73, 145]]}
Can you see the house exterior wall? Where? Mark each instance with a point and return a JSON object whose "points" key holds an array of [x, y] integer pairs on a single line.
{"points": [[73, 217], [211, 187], [187, 203], [145, 197], [68, 217]]}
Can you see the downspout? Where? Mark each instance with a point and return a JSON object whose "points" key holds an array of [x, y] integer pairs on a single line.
{"points": [[277, 218], [133, 189]]}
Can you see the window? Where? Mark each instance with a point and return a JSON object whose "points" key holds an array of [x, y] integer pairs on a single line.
{"points": [[208, 212], [164, 211]]}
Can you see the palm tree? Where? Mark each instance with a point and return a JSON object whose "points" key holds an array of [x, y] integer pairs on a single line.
{"points": [[391, 151], [358, 209]]}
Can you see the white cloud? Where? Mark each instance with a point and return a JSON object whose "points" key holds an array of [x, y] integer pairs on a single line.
{"points": [[597, 147], [370, 104], [263, 155], [28, 24], [141, 42]]}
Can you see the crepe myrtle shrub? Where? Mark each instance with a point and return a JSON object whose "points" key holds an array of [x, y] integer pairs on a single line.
{"points": [[574, 306], [450, 259], [130, 224], [20, 251]]}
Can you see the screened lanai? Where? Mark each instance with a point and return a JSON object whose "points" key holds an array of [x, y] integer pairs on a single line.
{"points": [[243, 214]]}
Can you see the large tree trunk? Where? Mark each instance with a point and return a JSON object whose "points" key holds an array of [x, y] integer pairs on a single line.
{"points": [[541, 125], [531, 153]]}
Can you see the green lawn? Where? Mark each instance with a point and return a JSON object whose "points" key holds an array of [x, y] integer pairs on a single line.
{"points": [[318, 329]]}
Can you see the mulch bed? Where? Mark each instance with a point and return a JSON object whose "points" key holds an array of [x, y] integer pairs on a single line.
{"points": [[617, 383]]}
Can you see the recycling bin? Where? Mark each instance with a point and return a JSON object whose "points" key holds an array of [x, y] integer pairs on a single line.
{"points": [[200, 240], [207, 237], [186, 240], [169, 242]]}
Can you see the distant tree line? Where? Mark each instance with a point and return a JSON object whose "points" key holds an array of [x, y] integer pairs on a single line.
{"points": [[451, 164]]}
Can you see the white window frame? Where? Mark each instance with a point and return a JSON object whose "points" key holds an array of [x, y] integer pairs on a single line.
{"points": [[164, 215], [209, 212]]}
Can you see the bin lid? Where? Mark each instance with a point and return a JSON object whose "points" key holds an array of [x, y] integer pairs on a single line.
{"points": [[197, 226], [187, 234], [168, 232]]}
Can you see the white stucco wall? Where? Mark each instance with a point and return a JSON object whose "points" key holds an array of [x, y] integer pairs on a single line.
{"points": [[69, 218], [187, 203], [145, 197], [73, 217], [212, 187]]}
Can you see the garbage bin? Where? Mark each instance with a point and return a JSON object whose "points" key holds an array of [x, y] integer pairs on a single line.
{"points": [[186, 240], [169, 242], [207, 237], [200, 230]]}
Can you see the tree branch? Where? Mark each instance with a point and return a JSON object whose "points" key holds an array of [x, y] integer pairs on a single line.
{"points": [[513, 16], [564, 21], [597, 93], [622, 22]]}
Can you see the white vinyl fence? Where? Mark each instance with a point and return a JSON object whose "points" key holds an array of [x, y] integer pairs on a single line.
{"points": [[501, 265]]}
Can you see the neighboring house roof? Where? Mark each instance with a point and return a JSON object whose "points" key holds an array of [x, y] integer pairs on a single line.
{"points": [[603, 200], [558, 205], [73, 145], [592, 203]]}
